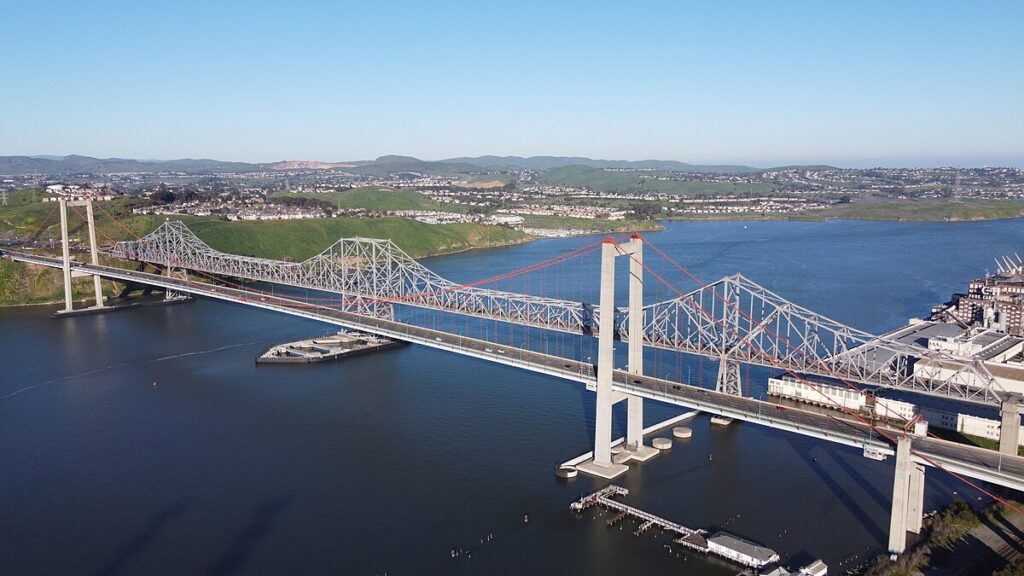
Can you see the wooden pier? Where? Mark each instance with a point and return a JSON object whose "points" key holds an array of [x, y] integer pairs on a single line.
{"points": [[689, 537], [721, 544]]}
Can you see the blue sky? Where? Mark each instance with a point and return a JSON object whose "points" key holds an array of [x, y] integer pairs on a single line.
{"points": [[762, 83]]}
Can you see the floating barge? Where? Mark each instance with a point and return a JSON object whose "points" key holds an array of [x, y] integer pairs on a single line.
{"points": [[720, 544], [326, 348]]}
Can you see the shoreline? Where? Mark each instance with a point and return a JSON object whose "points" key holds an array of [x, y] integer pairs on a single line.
{"points": [[760, 218]]}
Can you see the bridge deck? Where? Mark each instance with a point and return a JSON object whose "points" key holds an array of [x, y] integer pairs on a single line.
{"points": [[961, 459]]}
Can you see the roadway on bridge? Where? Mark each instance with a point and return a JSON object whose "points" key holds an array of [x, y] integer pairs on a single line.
{"points": [[961, 459]]}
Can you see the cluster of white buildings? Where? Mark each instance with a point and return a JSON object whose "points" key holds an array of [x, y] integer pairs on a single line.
{"points": [[55, 192], [437, 217], [585, 212], [556, 232], [846, 399], [743, 206], [236, 210]]}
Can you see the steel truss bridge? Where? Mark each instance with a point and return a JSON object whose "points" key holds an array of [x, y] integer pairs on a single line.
{"points": [[733, 320], [959, 459]]}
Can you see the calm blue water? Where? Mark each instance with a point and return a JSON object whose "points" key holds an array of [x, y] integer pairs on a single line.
{"points": [[147, 442]]}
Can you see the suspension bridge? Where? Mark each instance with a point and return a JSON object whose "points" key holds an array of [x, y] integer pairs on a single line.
{"points": [[372, 285]]}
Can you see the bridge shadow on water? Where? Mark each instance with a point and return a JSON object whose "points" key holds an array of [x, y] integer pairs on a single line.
{"points": [[134, 546], [246, 541], [846, 499]]}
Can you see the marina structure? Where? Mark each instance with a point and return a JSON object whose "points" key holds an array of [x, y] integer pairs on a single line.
{"points": [[722, 544]]}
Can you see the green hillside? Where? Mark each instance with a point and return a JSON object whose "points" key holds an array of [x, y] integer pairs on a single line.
{"points": [[927, 209], [282, 239], [300, 239]]}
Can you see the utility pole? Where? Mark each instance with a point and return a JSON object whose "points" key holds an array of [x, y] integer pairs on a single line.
{"points": [[3, 197]]}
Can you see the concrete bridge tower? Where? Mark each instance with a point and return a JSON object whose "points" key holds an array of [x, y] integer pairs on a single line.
{"points": [[66, 252], [604, 464]]}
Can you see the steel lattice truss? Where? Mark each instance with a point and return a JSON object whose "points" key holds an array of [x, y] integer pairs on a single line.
{"points": [[734, 319], [739, 320], [372, 271]]}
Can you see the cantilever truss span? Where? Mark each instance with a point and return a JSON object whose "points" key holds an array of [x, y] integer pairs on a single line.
{"points": [[738, 319], [733, 318], [372, 271]]}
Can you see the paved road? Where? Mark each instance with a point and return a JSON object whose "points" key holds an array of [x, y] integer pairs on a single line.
{"points": [[965, 460]]}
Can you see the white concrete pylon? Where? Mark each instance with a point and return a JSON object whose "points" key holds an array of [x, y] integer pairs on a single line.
{"points": [[907, 497], [66, 254], [94, 251], [635, 404], [602, 464], [605, 361]]}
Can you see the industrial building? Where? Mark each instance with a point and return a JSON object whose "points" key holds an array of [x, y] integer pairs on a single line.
{"points": [[741, 551], [818, 393], [839, 397], [996, 301]]}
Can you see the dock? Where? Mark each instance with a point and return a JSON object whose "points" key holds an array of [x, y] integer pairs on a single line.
{"points": [[322, 349], [721, 544], [605, 498]]}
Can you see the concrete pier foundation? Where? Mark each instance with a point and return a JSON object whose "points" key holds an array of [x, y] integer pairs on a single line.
{"points": [[907, 498]]}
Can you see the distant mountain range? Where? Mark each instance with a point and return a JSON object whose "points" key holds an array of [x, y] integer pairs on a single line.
{"points": [[549, 162], [74, 164], [71, 165]]}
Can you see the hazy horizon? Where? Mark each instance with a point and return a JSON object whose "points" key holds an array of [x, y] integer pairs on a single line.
{"points": [[865, 165]]}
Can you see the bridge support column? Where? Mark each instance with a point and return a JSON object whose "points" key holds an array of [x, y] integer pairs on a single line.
{"points": [[172, 294], [635, 404], [168, 293], [1009, 429], [602, 464], [907, 498], [66, 254], [605, 362], [729, 379], [94, 251]]}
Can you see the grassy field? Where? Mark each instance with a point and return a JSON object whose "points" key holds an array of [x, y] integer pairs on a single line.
{"points": [[930, 209], [598, 179], [300, 239]]}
